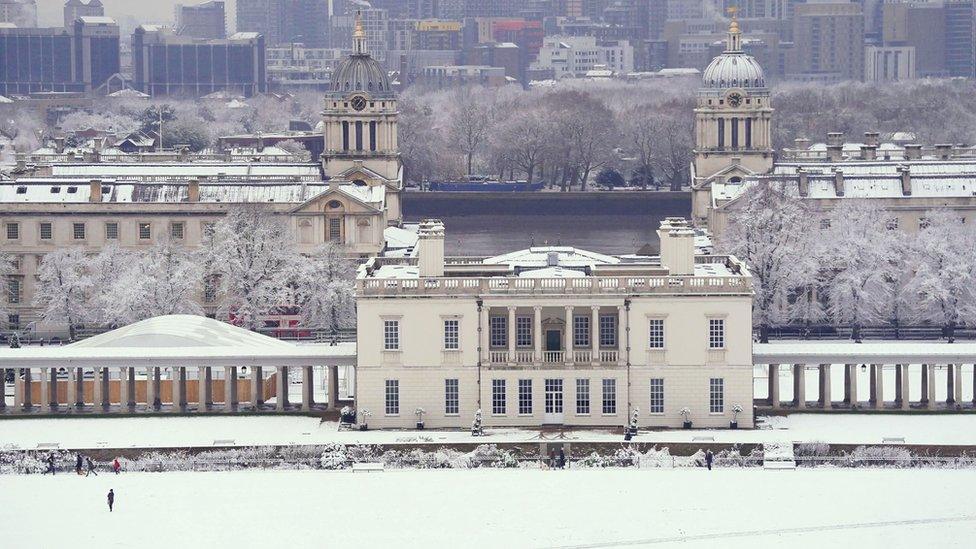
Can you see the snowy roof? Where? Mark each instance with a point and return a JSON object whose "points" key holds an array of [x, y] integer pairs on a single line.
{"points": [[399, 238], [888, 352], [5, 99], [552, 272], [128, 92], [538, 256], [97, 20], [179, 340], [397, 271], [171, 170]]}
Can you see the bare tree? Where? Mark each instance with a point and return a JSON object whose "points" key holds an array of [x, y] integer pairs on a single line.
{"points": [[471, 114]]}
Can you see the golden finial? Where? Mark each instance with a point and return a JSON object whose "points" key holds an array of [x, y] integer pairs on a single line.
{"points": [[733, 12], [359, 35], [359, 32]]}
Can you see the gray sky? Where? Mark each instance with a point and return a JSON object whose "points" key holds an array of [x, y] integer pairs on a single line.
{"points": [[49, 11]]}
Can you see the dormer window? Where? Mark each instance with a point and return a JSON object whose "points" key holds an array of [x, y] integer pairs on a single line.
{"points": [[55, 190], [21, 190], [72, 190]]}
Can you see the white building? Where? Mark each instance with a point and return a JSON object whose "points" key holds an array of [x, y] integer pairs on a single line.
{"points": [[888, 63], [296, 66], [574, 56], [555, 335]]}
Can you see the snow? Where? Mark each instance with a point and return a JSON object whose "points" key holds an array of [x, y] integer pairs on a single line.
{"points": [[168, 432], [730, 508]]}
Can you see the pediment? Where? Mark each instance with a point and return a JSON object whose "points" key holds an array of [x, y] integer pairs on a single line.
{"points": [[335, 201]]}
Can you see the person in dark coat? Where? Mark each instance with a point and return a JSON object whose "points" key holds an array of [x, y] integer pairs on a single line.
{"points": [[708, 459], [562, 459], [50, 464], [79, 464], [552, 459], [91, 467], [111, 499]]}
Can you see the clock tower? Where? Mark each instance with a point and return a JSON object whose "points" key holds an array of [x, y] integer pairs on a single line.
{"points": [[733, 123]]}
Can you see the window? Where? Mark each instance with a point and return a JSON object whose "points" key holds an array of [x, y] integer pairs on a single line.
{"points": [[923, 222], [177, 230], [582, 397], [608, 330], [13, 231], [748, 131], [47, 231], [581, 331], [716, 333], [111, 231], [391, 335], [335, 229], [392, 397], [824, 224], [657, 396], [523, 331], [735, 132], [372, 136], [656, 333], [721, 133], [498, 396], [208, 229], [13, 289], [13, 322], [451, 328], [451, 406], [525, 396], [345, 136], [359, 136], [716, 395], [892, 224], [145, 231], [554, 396], [498, 331], [210, 289], [609, 396], [78, 231]]}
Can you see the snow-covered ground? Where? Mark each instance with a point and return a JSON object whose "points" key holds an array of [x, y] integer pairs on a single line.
{"points": [[175, 432], [689, 508]]}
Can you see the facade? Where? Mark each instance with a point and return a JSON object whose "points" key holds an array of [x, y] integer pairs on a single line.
{"points": [[167, 64], [733, 122], [554, 335], [22, 13], [79, 59], [292, 66], [829, 39], [889, 63], [284, 21], [915, 25], [960, 38], [574, 56], [376, 25], [446, 76], [206, 20], [73, 9]]}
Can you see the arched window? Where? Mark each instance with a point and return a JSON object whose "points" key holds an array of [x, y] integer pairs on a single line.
{"points": [[359, 182], [359, 135], [721, 133], [345, 135], [735, 133], [372, 136]]}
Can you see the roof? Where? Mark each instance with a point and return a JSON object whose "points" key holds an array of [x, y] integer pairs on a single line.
{"points": [[888, 352], [539, 257], [96, 20], [179, 340], [151, 171]]}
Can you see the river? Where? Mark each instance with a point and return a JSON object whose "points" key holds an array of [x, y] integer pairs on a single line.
{"points": [[613, 223]]}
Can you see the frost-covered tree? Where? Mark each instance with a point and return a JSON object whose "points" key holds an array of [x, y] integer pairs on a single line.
{"points": [[470, 121], [252, 254], [854, 250], [769, 229], [943, 288], [164, 280], [297, 149], [62, 287], [6, 271], [105, 270], [326, 290]]}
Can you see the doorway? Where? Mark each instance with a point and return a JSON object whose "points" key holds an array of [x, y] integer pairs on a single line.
{"points": [[554, 401], [554, 340]]}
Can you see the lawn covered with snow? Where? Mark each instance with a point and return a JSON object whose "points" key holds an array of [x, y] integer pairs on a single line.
{"points": [[729, 508]]}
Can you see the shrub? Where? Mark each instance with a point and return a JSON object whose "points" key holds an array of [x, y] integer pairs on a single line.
{"points": [[334, 457]]}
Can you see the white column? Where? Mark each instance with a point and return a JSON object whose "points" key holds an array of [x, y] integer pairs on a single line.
{"points": [[569, 335], [179, 387], [22, 389], [128, 389], [957, 384], [204, 388], [152, 388], [800, 386], [906, 398], [257, 386], [230, 388], [3, 389], [537, 332], [879, 386], [333, 387], [825, 397], [595, 333], [97, 387], [45, 387], [307, 388], [511, 334], [930, 368], [281, 386], [774, 386], [484, 334]]}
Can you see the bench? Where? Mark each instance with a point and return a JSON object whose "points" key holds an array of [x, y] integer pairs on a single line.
{"points": [[367, 467], [786, 464]]}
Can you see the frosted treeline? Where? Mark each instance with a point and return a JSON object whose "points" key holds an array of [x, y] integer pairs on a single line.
{"points": [[852, 265], [248, 266]]}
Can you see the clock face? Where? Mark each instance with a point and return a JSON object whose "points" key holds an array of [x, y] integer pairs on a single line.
{"points": [[735, 99], [358, 102]]}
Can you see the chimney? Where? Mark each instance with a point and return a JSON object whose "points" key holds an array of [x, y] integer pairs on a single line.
{"points": [[838, 182], [943, 151], [906, 180], [430, 248], [260, 146], [835, 138], [95, 192], [869, 152], [677, 246], [59, 145], [801, 143], [835, 153], [804, 181], [333, 184], [871, 139], [193, 190], [913, 151]]}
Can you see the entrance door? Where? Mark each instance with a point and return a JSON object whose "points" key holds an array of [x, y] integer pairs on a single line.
{"points": [[554, 401], [554, 340]]}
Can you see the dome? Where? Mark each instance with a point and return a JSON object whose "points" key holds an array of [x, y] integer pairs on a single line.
{"points": [[360, 72], [734, 70]]}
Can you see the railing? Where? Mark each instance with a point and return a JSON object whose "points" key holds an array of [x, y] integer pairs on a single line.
{"points": [[582, 356], [498, 357], [524, 357], [587, 286], [609, 356], [554, 357]]}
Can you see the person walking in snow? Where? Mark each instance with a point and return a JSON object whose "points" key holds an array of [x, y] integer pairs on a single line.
{"points": [[552, 459], [708, 459], [79, 464], [50, 464], [562, 459], [116, 466], [111, 499], [91, 467]]}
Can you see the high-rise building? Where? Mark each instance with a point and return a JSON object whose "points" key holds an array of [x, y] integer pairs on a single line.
{"points": [[375, 24], [73, 9], [79, 59], [915, 25], [206, 20], [437, 35], [889, 63], [960, 49], [829, 40], [284, 21], [22, 13], [167, 64]]}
